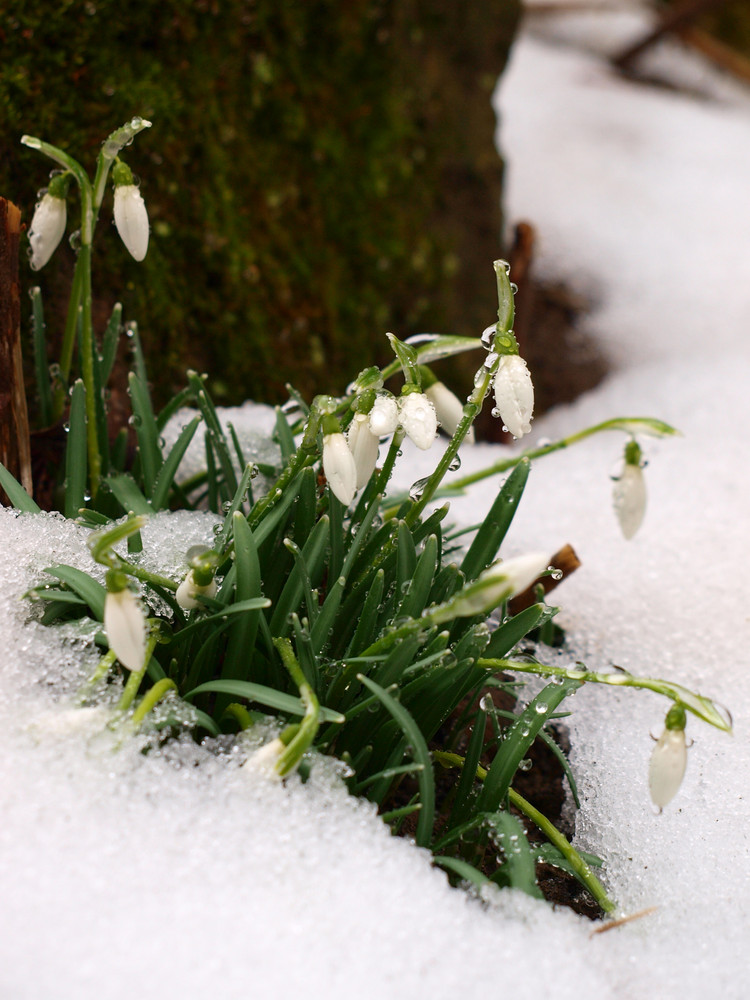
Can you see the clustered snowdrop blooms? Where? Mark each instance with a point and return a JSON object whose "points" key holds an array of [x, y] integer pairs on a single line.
{"points": [[49, 221], [629, 491], [669, 759], [124, 622], [131, 217]]}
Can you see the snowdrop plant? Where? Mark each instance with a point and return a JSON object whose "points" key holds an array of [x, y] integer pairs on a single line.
{"points": [[353, 619], [48, 226]]}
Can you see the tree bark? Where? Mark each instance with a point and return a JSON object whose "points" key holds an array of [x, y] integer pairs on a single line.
{"points": [[15, 448]]}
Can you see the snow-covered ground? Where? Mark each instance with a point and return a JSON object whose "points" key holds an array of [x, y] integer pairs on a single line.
{"points": [[125, 875]]}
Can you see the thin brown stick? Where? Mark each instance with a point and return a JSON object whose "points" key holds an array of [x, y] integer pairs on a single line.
{"points": [[674, 20], [15, 446]]}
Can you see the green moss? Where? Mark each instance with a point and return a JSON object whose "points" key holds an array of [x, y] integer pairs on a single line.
{"points": [[318, 171]]}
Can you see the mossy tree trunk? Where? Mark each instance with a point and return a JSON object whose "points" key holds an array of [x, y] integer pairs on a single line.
{"points": [[319, 171]]}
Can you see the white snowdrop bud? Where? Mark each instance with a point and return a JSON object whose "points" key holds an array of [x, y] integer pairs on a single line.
{"points": [[189, 591], [417, 416], [263, 761], [47, 228], [667, 767], [125, 626], [131, 217], [339, 467], [383, 416], [449, 409], [514, 394], [629, 491], [363, 445], [496, 584]]}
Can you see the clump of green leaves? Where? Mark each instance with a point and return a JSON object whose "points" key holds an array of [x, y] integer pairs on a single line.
{"points": [[357, 619]]}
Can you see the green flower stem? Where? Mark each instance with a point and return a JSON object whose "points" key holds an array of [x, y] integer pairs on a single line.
{"points": [[628, 425], [548, 828], [390, 460], [103, 667], [152, 698], [561, 842], [304, 456], [482, 382], [87, 369], [308, 728], [134, 681], [240, 714], [142, 574], [699, 705]]}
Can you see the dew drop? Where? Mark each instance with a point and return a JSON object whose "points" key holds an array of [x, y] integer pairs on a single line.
{"points": [[525, 765], [485, 703], [455, 464], [541, 708]]}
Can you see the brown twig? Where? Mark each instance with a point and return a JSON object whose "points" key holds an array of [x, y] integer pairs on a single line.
{"points": [[674, 20], [565, 561]]}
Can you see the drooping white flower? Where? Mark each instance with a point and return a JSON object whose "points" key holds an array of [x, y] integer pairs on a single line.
{"points": [[667, 766], [47, 228], [263, 760], [383, 416], [629, 498], [514, 394], [189, 591], [339, 467], [125, 626], [496, 584], [363, 445], [417, 416], [449, 409], [131, 219]]}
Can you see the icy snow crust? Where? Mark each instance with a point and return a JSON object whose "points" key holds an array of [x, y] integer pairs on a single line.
{"points": [[179, 875]]}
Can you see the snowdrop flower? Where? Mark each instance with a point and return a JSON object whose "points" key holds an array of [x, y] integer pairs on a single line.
{"points": [[669, 759], [263, 761], [363, 445], [131, 217], [514, 394], [339, 467], [417, 416], [125, 626], [496, 584], [449, 409], [384, 416], [189, 591], [629, 492], [47, 228]]}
